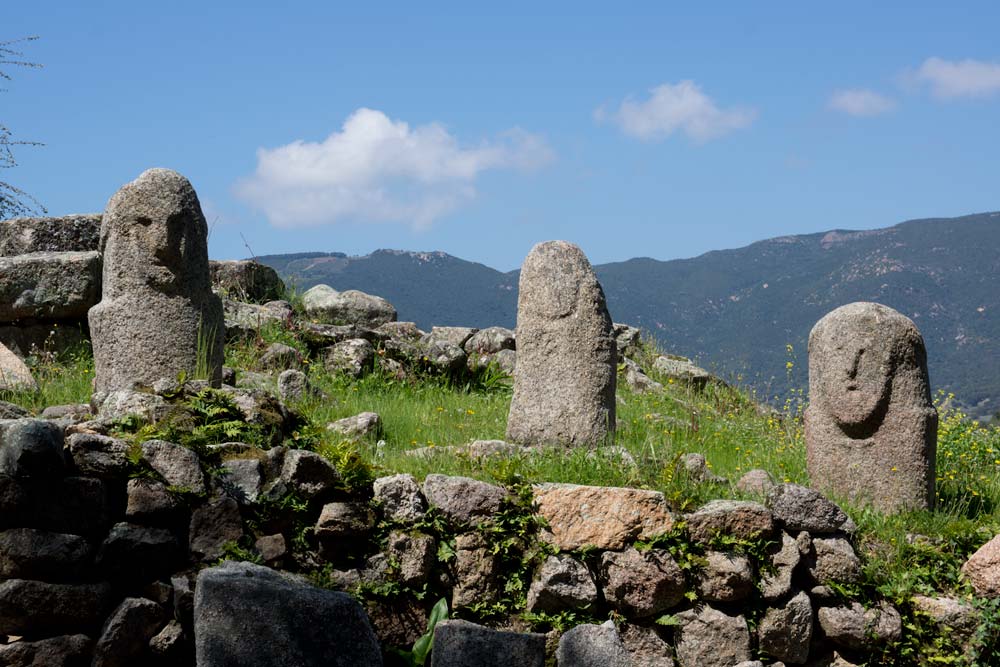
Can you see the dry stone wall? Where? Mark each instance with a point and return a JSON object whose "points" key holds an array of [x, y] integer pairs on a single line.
{"points": [[107, 554]]}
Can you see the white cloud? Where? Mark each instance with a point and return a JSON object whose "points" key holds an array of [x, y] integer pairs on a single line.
{"points": [[676, 107], [376, 169], [859, 102], [963, 78]]}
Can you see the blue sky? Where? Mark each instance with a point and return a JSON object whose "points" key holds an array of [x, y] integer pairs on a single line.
{"points": [[653, 130]]}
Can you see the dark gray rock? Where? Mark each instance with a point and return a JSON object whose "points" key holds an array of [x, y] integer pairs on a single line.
{"points": [[149, 502], [646, 646], [400, 498], [415, 555], [444, 357], [463, 501], [272, 549], [561, 583], [854, 627], [157, 311], [785, 632], [49, 285], [252, 616], [171, 645], [344, 519], [137, 553], [477, 570], [833, 560], [589, 645], [244, 321], [293, 385], [99, 455], [127, 632], [243, 479], [10, 410], [353, 357], [724, 578], [28, 553], [641, 584], [564, 382], [213, 525], [735, 518], [785, 557], [638, 381], [464, 644], [800, 508], [246, 280], [31, 448], [708, 637], [76, 411], [307, 474], [870, 427], [63, 651], [179, 466], [490, 341], [43, 609]]}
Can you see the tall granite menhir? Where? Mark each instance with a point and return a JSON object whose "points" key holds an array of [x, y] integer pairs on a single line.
{"points": [[871, 429], [157, 309], [564, 380]]}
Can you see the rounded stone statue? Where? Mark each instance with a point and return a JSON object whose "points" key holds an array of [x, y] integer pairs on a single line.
{"points": [[871, 429], [157, 315], [564, 379]]}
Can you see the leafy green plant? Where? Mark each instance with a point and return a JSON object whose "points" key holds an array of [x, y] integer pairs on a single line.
{"points": [[417, 656]]}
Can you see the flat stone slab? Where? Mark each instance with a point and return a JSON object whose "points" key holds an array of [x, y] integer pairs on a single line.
{"points": [[601, 516], [49, 285], [68, 233]]}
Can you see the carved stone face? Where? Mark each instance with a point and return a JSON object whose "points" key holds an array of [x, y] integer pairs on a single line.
{"points": [[855, 376]]}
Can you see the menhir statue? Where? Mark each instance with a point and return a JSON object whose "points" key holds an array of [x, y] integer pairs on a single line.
{"points": [[564, 378], [871, 430], [157, 316]]}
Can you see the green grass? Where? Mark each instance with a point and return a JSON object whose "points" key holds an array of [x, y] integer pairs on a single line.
{"points": [[62, 379]]}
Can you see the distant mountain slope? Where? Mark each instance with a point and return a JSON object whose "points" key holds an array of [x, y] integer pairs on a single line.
{"points": [[737, 310]]}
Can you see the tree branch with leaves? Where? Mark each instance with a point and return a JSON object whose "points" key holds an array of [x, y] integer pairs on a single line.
{"points": [[14, 202]]}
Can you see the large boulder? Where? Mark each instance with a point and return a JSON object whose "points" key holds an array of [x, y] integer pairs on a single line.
{"points": [[870, 428], [246, 280], [253, 616], [327, 305], [49, 285], [158, 316], [564, 381]]}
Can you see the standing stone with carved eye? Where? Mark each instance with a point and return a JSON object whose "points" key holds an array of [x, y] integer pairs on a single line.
{"points": [[157, 312], [564, 380], [871, 429]]}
